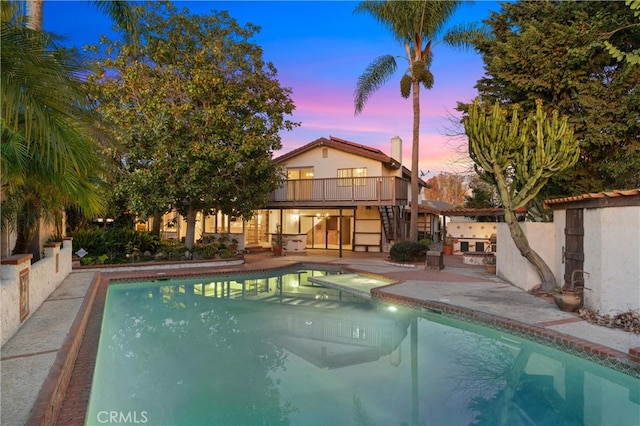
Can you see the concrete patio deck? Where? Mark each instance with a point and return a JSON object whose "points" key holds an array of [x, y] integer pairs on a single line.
{"points": [[32, 360]]}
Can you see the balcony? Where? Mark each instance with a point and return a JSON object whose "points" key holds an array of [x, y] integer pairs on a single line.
{"points": [[380, 190]]}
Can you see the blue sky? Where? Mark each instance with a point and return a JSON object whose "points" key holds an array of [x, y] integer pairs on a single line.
{"points": [[320, 48]]}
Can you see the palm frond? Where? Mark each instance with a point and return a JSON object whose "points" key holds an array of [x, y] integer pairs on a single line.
{"points": [[465, 36], [40, 91], [405, 19], [13, 155], [376, 74], [122, 14]]}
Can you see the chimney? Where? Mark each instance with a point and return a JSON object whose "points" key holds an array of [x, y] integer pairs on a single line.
{"points": [[396, 149]]}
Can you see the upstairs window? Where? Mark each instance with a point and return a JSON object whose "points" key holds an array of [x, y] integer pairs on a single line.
{"points": [[298, 173], [349, 177]]}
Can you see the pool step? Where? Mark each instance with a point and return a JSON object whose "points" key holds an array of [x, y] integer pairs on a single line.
{"points": [[303, 302]]}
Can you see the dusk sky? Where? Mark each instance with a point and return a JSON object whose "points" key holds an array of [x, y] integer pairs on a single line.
{"points": [[320, 48]]}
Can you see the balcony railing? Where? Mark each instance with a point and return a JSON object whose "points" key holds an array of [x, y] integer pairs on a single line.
{"points": [[386, 190]]}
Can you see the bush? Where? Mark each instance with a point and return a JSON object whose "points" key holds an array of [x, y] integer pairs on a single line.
{"points": [[426, 241], [206, 250], [227, 253], [172, 249], [116, 243], [88, 239], [408, 251]]}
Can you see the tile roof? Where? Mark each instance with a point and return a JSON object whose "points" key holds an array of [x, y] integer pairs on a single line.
{"points": [[478, 212], [346, 146], [594, 196], [434, 206]]}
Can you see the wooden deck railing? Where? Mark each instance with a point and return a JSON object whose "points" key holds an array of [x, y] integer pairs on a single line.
{"points": [[385, 190]]}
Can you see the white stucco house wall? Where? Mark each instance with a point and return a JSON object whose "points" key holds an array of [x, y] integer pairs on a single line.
{"points": [[596, 233], [336, 195], [610, 247]]}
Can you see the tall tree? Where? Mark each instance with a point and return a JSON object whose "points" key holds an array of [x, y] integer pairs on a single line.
{"points": [[48, 154], [198, 113], [555, 51], [447, 187], [519, 157], [631, 57], [482, 194], [416, 25]]}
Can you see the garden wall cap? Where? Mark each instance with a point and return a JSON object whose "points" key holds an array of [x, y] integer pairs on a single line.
{"points": [[628, 197]]}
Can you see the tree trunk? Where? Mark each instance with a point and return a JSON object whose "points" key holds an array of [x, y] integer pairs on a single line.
{"points": [[34, 14], [189, 238], [26, 226], [415, 157], [157, 221], [548, 284]]}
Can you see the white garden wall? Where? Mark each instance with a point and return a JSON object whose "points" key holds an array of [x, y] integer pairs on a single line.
{"points": [[43, 277], [510, 264], [612, 259]]}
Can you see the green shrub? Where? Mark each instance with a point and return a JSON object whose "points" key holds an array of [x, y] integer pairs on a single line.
{"points": [[426, 241], [88, 239], [408, 251], [227, 253], [173, 249], [206, 250], [207, 239], [127, 241], [115, 243]]}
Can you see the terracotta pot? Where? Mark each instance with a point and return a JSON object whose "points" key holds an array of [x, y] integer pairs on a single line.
{"points": [[568, 300], [447, 249], [277, 250], [491, 269]]}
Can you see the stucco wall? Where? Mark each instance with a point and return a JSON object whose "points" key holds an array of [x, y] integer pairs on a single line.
{"points": [[510, 264], [336, 159], [44, 278], [470, 232], [612, 259], [9, 308]]}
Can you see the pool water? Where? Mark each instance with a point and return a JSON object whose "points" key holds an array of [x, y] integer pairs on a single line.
{"points": [[281, 350]]}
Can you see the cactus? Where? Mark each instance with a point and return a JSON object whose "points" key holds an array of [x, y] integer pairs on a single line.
{"points": [[520, 156]]}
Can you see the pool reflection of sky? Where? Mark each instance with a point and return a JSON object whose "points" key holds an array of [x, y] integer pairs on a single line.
{"points": [[185, 358]]}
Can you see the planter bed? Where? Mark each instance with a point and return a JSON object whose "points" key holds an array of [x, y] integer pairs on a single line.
{"points": [[473, 257]]}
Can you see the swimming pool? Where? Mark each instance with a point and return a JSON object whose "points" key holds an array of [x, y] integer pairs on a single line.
{"points": [[281, 350]]}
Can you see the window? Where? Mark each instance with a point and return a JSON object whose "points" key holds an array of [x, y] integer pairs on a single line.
{"points": [[300, 184], [348, 177], [296, 173]]}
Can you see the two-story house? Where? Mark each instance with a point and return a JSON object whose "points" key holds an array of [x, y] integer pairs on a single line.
{"points": [[337, 195]]}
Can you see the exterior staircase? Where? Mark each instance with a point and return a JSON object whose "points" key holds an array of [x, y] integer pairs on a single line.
{"points": [[394, 222]]}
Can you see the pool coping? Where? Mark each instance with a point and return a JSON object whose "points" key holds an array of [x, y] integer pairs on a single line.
{"points": [[52, 393], [50, 401]]}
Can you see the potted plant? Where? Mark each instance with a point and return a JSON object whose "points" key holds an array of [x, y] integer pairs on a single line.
{"points": [[448, 245], [278, 241], [490, 263], [570, 297]]}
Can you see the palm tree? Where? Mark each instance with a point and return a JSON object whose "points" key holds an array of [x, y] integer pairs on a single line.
{"points": [[416, 24], [119, 11], [49, 156]]}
